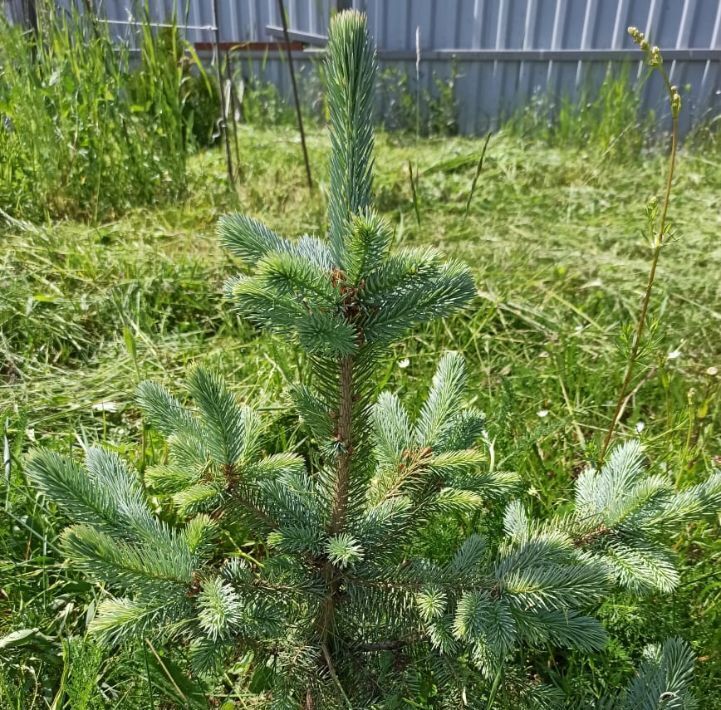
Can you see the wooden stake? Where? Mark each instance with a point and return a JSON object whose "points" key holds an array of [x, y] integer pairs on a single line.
{"points": [[223, 111], [281, 8], [232, 109]]}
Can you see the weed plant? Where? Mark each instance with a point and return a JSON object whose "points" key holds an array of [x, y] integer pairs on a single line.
{"points": [[261, 102], [86, 133], [406, 107], [608, 117]]}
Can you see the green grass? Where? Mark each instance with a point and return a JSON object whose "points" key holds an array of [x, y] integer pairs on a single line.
{"points": [[555, 239], [609, 116], [87, 128]]}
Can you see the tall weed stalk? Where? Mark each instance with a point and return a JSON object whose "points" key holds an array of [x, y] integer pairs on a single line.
{"points": [[656, 217]]}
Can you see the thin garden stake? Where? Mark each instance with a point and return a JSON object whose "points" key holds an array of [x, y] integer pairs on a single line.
{"points": [[281, 9], [655, 61], [232, 109], [418, 81], [223, 112], [32, 17]]}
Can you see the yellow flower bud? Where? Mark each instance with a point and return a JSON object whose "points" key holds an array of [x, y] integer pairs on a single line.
{"points": [[675, 102]]}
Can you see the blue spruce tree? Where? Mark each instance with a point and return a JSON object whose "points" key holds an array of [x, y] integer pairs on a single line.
{"points": [[338, 605]]}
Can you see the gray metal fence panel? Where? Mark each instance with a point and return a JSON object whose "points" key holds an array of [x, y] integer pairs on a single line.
{"points": [[506, 52]]}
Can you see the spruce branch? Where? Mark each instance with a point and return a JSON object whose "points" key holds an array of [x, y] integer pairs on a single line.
{"points": [[249, 239], [66, 483], [663, 680], [162, 410], [350, 80]]}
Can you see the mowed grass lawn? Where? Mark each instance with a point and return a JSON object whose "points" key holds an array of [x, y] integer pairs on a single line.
{"points": [[558, 242]]}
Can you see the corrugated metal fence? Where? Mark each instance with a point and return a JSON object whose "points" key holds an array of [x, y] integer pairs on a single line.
{"points": [[503, 52]]}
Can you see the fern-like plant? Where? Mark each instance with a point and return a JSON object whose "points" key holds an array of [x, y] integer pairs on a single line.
{"points": [[344, 601]]}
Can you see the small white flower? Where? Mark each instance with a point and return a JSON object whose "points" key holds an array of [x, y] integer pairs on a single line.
{"points": [[712, 371], [543, 413], [543, 354], [674, 355], [403, 364], [640, 426]]}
